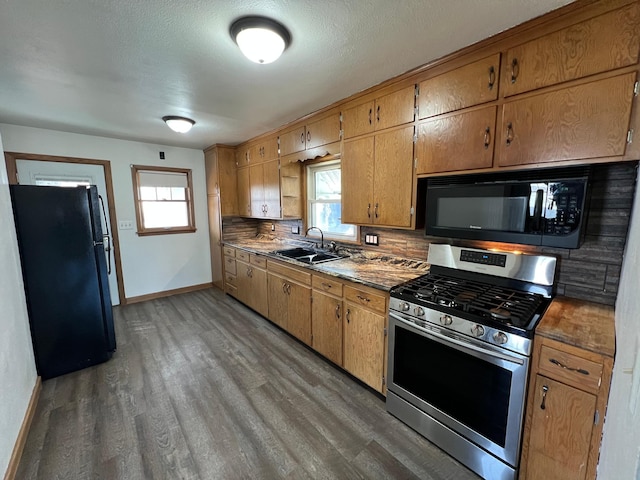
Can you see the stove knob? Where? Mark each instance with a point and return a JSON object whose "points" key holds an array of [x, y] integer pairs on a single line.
{"points": [[446, 320], [404, 306], [500, 338], [418, 312], [477, 330]]}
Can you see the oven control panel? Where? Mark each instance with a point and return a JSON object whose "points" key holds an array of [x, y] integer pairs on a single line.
{"points": [[483, 258]]}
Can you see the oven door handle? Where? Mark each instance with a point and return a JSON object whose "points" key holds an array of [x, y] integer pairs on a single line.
{"points": [[459, 343]]}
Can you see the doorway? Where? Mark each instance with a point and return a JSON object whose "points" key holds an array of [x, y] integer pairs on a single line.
{"points": [[63, 171]]}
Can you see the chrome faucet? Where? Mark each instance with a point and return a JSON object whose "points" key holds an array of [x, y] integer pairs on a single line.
{"points": [[321, 235]]}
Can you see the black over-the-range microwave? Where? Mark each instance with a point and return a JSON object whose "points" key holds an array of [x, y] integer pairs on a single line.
{"points": [[545, 207]]}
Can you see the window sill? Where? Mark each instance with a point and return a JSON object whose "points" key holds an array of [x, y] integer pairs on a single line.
{"points": [[165, 231]]}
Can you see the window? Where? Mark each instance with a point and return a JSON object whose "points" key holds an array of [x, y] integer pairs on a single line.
{"points": [[324, 208], [163, 198]]}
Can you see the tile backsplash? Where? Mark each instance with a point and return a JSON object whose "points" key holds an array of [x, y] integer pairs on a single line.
{"points": [[591, 272]]}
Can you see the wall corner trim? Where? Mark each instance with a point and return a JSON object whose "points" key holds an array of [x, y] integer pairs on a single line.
{"points": [[18, 448]]}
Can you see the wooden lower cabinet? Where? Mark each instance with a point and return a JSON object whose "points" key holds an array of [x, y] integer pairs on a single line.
{"points": [[326, 324], [252, 286], [290, 300]]}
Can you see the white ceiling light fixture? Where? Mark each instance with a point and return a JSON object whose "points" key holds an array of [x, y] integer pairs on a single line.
{"points": [[178, 124], [260, 39]]}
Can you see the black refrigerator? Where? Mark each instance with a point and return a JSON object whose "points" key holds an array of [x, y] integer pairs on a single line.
{"points": [[65, 276]]}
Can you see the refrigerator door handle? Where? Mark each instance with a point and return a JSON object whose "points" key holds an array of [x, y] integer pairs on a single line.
{"points": [[106, 238]]}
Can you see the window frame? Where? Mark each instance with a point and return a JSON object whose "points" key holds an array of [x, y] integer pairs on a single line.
{"points": [[310, 168], [141, 230]]}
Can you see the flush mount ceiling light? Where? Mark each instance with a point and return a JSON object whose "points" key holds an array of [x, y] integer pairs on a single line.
{"points": [[179, 124], [261, 39]]}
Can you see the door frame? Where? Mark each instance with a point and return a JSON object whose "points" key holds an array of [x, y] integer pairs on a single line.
{"points": [[12, 172]]}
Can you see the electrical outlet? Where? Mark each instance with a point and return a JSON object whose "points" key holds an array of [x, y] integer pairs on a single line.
{"points": [[125, 224], [273, 227], [295, 230]]}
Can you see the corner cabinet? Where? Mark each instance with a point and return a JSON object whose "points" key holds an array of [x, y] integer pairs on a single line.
{"points": [[377, 179], [568, 393]]}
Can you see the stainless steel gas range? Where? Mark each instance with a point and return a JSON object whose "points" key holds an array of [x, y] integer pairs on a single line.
{"points": [[459, 349]]}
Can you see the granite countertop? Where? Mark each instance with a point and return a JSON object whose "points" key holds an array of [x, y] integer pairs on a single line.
{"points": [[368, 268]]}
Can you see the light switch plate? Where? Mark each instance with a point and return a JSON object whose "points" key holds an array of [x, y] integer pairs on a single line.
{"points": [[125, 224]]}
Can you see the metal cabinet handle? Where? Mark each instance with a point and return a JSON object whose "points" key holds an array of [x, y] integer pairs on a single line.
{"points": [[492, 77], [288, 289], [363, 299], [378, 113], [308, 136], [338, 311], [370, 112], [509, 133], [545, 389], [376, 210], [369, 210], [348, 315], [284, 287], [571, 369], [515, 70], [249, 272], [302, 138], [326, 286], [487, 137]]}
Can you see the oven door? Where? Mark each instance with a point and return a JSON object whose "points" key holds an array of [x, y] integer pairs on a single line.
{"points": [[473, 388]]}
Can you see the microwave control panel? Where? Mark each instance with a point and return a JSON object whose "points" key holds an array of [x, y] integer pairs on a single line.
{"points": [[483, 258], [564, 208]]}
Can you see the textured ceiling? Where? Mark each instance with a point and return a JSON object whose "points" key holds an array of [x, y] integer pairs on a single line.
{"points": [[115, 67]]}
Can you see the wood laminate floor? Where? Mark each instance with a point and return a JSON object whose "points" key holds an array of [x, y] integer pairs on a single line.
{"points": [[203, 388]]}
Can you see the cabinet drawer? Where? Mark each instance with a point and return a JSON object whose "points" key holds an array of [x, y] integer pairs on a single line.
{"points": [[570, 368], [294, 274], [230, 265], [242, 255], [374, 302], [230, 279], [231, 290], [327, 285], [229, 251], [258, 260]]}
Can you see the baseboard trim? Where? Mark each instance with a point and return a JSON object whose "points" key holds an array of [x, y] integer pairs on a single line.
{"points": [[18, 448], [168, 293]]}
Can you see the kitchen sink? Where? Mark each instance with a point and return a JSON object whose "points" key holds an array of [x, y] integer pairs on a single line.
{"points": [[308, 255]]}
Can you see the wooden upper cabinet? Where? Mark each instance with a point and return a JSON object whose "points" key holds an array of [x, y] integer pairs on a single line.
{"points": [[228, 181], [386, 111], [463, 87], [256, 182], [357, 181], [264, 150], [323, 131], [293, 141], [271, 182], [242, 155], [587, 121], [244, 192], [211, 171], [603, 43], [462, 141]]}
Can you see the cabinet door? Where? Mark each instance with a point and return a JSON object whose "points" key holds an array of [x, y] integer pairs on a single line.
{"points": [[293, 141], [258, 293], [357, 181], [215, 240], [244, 192], [393, 178], [271, 189], [364, 345], [211, 171], [291, 187], [264, 150], [326, 323], [597, 45], [358, 120], [456, 142], [463, 87], [242, 155], [560, 432], [581, 122], [278, 300], [256, 182], [395, 108], [299, 312], [228, 178], [243, 280], [321, 132]]}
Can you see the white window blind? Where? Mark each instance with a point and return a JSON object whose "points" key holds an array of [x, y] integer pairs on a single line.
{"points": [[162, 179]]}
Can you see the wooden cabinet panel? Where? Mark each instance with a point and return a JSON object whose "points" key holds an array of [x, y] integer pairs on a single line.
{"points": [[366, 299], [278, 300], [456, 142], [242, 155], [230, 265], [574, 370], [228, 181], [264, 150], [215, 240], [561, 439], [358, 120], [229, 251], [296, 274], [393, 178], [291, 187], [211, 171], [326, 322], [581, 122], [258, 260], [321, 132], [363, 354], [244, 192], [256, 182], [327, 285], [299, 312], [230, 279], [357, 181], [243, 256], [463, 87], [293, 141], [395, 108], [271, 189], [252, 287], [597, 45], [243, 282]]}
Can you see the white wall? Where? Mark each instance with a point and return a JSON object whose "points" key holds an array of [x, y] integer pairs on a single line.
{"points": [[17, 364], [621, 436], [153, 263]]}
